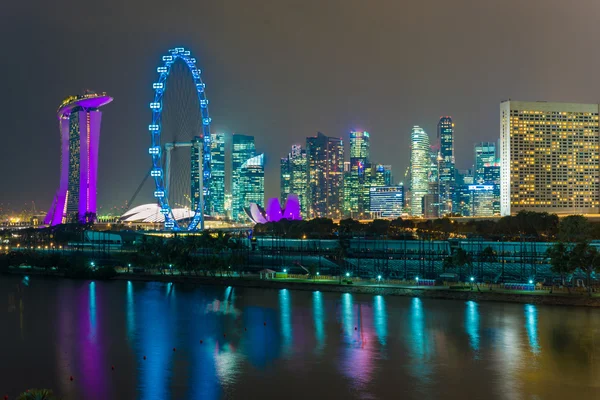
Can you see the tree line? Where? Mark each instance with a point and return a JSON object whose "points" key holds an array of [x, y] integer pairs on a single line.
{"points": [[534, 226]]}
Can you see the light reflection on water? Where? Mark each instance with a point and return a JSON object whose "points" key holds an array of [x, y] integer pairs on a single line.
{"points": [[295, 344]]}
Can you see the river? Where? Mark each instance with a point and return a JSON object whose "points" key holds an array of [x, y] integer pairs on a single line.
{"points": [[177, 341]]}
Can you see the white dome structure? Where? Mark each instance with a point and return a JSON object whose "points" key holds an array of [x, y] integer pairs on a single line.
{"points": [[151, 213]]}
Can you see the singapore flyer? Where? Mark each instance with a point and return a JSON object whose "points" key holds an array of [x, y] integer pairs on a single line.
{"points": [[180, 142]]}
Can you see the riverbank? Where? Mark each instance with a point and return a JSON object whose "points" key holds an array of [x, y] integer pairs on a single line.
{"points": [[580, 300], [436, 292]]}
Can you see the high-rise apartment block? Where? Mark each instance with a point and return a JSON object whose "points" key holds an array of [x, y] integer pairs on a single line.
{"points": [[325, 156], [549, 157]]}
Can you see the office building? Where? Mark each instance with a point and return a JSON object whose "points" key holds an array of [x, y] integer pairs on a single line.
{"points": [[252, 182], [386, 201], [325, 157], [357, 182], [79, 121], [285, 178], [549, 157], [216, 201], [242, 150], [195, 173], [294, 177], [462, 195], [420, 167], [446, 164], [482, 200], [485, 153]]}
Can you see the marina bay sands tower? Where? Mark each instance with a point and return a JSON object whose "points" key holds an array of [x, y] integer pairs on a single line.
{"points": [[79, 120]]}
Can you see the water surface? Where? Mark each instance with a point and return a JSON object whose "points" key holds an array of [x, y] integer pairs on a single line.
{"points": [[224, 342]]}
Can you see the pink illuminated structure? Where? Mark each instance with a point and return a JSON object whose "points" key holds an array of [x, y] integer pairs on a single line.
{"points": [[274, 212], [79, 122]]}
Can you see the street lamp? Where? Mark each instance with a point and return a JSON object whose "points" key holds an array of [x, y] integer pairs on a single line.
{"points": [[285, 270], [347, 274], [531, 281], [472, 279], [379, 277]]}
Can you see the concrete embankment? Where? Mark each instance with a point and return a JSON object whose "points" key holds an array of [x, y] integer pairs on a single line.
{"points": [[387, 290]]}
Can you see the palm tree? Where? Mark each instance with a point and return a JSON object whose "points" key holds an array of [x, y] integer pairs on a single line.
{"points": [[37, 394]]}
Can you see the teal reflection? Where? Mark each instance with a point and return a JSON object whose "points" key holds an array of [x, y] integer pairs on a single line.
{"points": [[286, 319], [347, 315], [130, 311], [156, 321], [531, 321], [418, 342], [92, 309], [380, 319], [319, 321], [472, 324]]}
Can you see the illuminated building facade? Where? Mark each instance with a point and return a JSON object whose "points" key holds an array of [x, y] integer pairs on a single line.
{"points": [[294, 176], [217, 174], [195, 171], [252, 182], [419, 170], [357, 183], [482, 200], [79, 122], [386, 201], [242, 150], [325, 157], [462, 195], [485, 153], [549, 157], [446, 172]]}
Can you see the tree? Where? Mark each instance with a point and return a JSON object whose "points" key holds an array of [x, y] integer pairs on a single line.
{"points": [[559, 257], [37, 394], [586, 258], [459, 259], [574, 228]]}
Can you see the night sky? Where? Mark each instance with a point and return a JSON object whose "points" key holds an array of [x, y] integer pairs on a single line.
{"points": [[282, 70]]}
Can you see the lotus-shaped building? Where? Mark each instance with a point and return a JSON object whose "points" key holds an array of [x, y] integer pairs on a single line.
{"points": [[274, 212]]}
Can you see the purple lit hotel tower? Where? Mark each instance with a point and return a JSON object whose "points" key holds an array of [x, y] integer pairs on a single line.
{"points": [[79, 120]]}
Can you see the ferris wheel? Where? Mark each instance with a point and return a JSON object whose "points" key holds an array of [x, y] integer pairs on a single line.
{"points": [[180, 141]]}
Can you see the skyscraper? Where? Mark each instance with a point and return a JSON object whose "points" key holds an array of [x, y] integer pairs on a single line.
{"points": [[485, 153], [325, 157], [242, 150], [446, 164], [79, 120], [462, 193], [357, 182], [195, 168], [386, 201], [294, 176], [549, 157], [419, 169], [285, 178], [217, 178], [252, 182]]}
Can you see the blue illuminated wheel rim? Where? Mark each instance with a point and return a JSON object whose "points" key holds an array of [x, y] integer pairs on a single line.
{"points": [[156, 149]]}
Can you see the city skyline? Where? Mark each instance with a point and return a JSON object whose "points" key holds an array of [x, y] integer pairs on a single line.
{"points": [[291, 87]]}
